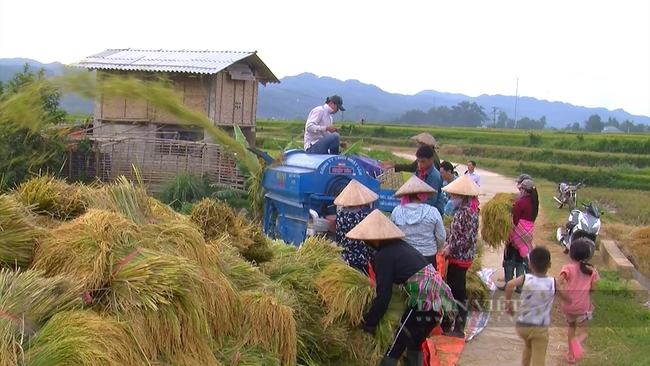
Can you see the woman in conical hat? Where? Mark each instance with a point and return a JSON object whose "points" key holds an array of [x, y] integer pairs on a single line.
{"points": [[397, 262], [351, 201], [421, 223], [461, 246]]}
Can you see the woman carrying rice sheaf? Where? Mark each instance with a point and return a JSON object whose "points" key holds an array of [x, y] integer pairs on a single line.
{"points": [[421, 223], [397, 262], [350, 212], [461, 247], [524, 214]]}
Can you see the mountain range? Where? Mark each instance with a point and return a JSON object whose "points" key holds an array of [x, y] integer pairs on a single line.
{"points": [[296, 95]]}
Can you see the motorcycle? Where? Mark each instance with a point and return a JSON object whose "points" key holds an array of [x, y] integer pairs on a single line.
{"points": [[581, 225], [567, 194]]}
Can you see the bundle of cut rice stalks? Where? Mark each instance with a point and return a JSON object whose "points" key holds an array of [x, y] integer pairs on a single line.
{"points": [[505, 197], [18, 234], [368, 350], [496, 222], [159, 296], [318, 253], [268, 322], [177, 237], [319, 342], [125, 198], [215, 218], [478, 294], [83, 338], [53, 197], [161, 212], [84, 248], [233, 352], [28, 300], [243, 274]]}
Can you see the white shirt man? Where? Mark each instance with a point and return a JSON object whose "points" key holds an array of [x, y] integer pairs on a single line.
{"points": [[471, 166], [320, 134]]}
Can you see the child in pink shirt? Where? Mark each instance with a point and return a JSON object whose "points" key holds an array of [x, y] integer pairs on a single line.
{"points": [[579, 277]]}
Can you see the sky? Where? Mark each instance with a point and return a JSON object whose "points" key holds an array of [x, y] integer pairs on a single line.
{"points": [[588, 53]]}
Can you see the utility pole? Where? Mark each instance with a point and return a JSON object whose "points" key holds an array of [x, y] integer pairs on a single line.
{"points": [[494, 115], [516, 102]]}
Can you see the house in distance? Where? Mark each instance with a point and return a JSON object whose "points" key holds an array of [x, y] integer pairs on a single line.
{"points": [[222, 85]]}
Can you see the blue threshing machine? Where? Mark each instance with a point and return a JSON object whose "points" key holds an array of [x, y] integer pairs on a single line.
{"points": [[304, 183]]}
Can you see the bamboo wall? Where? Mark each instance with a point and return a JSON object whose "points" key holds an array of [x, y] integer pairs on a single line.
{"points": [[225, 101], [159, 161]]}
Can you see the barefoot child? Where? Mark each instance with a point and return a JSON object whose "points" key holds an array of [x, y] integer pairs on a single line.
{"points": [[534, 318], [579, 277]]}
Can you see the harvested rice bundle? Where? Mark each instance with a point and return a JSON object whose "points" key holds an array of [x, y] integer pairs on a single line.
{"points": [[83, 338], [318, 253], [269, 323], [51, 196], [346, 292], [125, 198], [28, 300], [367, 350], [159, 295], [505, 197], [178, 238], [318, 343], [214, 218], [222, 301], [161, 211], [232, 352], [18, 234], [260, 251], [496, 222], [391, 179], [447, 222], [236, 268], [84, 247], [478, 294], [280, 248]]}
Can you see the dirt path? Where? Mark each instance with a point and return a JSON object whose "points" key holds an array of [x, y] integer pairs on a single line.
{"points": [[499, 344]]}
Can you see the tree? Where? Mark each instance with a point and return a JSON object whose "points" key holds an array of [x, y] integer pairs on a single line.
{"points": [[466, 114], [612, 121], [594, 124], [576, 127], [22, 150], [502, 121]]}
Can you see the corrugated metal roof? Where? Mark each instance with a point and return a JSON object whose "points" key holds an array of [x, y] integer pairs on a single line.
{"points": [[194, 62]]}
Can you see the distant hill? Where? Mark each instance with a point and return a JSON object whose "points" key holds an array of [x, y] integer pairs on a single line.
{"points": [[297, 95]]}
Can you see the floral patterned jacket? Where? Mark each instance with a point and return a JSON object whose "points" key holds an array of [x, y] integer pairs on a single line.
{"points": [[463, 236]]}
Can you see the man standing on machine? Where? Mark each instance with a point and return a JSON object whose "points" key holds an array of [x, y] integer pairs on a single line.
{"points": [[321, 137]]}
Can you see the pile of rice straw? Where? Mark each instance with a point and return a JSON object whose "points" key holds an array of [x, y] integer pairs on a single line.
{"points": [[115, 277]]}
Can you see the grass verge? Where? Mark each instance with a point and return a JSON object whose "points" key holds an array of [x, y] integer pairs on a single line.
{"points": [[619, 333]]}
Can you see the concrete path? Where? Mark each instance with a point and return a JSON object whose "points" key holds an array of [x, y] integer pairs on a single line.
{"points": [[499, 344]]}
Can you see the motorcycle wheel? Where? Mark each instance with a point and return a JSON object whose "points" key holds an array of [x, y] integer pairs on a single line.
{"points": [[559, 205]]}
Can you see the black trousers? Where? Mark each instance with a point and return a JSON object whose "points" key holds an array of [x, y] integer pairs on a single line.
{"points": [[457, 281], [432, 259], [415, 327]]}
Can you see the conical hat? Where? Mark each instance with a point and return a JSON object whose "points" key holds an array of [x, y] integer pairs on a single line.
{"points": [[413, 186], [463, 186], [375, 226], [355, 194], [426, 139]]}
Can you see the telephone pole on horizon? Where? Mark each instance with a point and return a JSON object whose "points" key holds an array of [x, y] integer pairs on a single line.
{"points": [[516, 102]]}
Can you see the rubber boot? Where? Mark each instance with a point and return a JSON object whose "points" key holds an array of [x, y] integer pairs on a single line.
{"points": [[508, 273], [387, 361], [459, 325], [414, 358], [446, 325]]}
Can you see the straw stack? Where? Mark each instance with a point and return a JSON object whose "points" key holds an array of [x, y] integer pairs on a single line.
{"points": [[128, 281]]}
